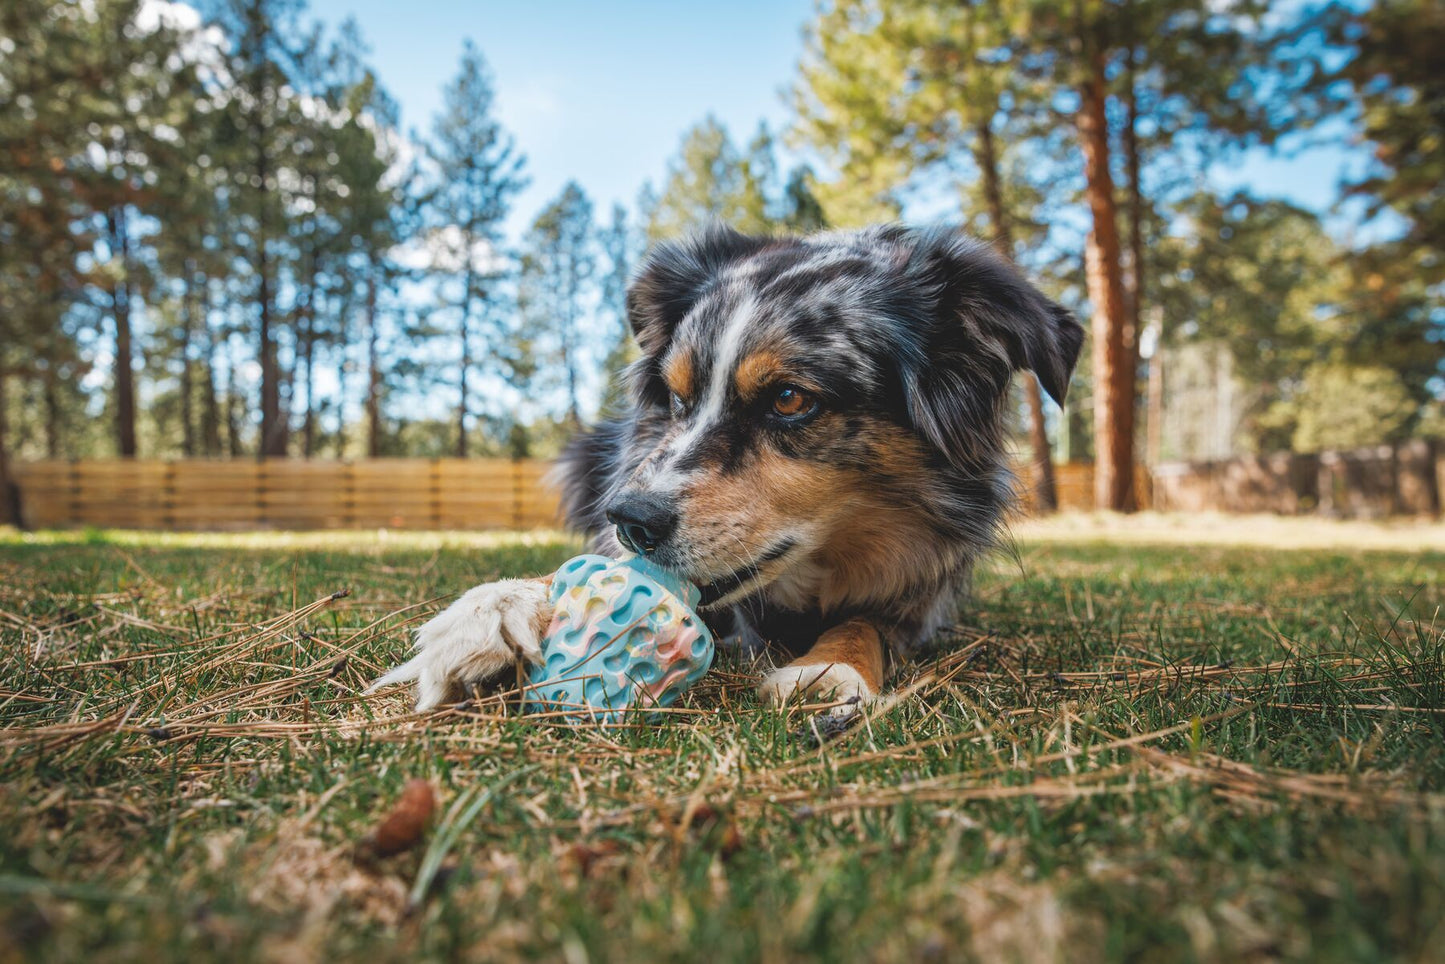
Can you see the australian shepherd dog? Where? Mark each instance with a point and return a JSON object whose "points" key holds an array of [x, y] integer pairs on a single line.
{"points": [[817, 439]]}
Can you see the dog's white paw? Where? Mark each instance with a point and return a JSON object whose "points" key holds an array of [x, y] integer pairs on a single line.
{"points": [[825, 681], [474, 639]]}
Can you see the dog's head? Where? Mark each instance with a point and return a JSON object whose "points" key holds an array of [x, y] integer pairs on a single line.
{"points": [[802, 390]]}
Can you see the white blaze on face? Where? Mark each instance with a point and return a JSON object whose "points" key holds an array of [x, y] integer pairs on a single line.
{"points": [[664, 478]]}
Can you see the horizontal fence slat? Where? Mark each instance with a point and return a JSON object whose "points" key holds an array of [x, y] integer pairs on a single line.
{"points": [[505, 494], [287, 494]]}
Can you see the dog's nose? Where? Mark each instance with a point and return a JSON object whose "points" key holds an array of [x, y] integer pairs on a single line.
{"points": [[643, 521]]}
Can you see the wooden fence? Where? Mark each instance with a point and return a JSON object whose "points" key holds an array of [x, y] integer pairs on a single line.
{"points": [[1386, 480], [288, 494], [505, 494], [378, 493], [1074, 486]]}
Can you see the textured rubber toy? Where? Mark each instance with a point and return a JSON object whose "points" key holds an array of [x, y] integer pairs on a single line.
{"points": [[623, 634]]}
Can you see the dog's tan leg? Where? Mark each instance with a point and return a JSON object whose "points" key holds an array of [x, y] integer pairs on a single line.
{"points": [[846, 663]]}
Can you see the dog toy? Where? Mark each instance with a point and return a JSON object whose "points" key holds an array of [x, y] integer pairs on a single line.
{"points": [[623, 635]]}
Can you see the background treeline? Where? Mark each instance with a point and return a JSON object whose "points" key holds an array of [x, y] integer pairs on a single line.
{"points": [[217, 241], [1085, 139]]}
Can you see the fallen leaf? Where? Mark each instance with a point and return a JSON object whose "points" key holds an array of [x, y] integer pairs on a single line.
{"points": [[404, 826]]}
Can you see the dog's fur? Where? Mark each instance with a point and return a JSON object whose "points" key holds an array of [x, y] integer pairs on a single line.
{"points": [[843, 535]]}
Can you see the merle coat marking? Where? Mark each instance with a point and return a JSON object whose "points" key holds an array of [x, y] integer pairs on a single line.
{"points": [[918, 332], [817, 439]]}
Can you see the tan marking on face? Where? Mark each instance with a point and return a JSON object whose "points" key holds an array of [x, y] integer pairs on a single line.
{"points": [[879, 556], [870, 535], [885, 543], [763, 496], [678, 373], [757, 371], [897, 453], [729, 520]]}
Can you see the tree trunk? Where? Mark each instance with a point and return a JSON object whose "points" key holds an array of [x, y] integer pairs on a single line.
{"points": [[569, 363], [308, 349], [53, 418], [308, 420], [211, 406], [343, 311], [1113, 371], [1138, 269], [373, 368], [124, 367], [466, 357], [188, 322], [234, 447], [273, 427], [1045, 494], [1432, 476], [273, 433], [9, 490], [233, 423], [1136, 211], [1154, 442]]}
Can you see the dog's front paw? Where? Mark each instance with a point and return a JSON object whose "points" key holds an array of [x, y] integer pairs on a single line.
{"points": [[824, 681], [488, 629]]}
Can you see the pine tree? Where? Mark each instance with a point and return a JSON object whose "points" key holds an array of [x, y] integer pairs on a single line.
{"points": [[256, 137], [757, 191], [49, 66], [313, 206], [802, 211], [617, 241], [1378, 65], [708, 181], [135, 128], [192, 255], [382, 215], [478, 172], [558, 263]]}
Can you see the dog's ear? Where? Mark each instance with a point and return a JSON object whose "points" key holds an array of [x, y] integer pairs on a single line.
{"points": [[672, 278], [982, 321], [674, 275]]}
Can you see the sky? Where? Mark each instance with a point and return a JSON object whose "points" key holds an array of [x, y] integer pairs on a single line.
{"points": [[602, 92], [592, 91]]}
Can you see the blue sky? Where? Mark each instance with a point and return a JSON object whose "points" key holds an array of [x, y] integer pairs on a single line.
{"points": [[599, 92], [602, 92]]}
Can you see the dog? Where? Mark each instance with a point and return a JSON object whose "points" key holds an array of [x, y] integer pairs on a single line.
{"points": [[817, 440]]}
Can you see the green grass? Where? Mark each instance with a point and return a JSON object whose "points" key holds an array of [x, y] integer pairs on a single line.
{"points": [[1145, 753]]}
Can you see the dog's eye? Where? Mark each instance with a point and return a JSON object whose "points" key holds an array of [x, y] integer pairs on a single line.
{"points": [[679, 407], [792, 403]]}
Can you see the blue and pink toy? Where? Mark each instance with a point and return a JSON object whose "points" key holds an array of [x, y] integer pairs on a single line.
{"points": [[623, 635]]}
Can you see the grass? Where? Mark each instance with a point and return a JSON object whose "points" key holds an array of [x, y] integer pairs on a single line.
{"points": [[1144, 752]]}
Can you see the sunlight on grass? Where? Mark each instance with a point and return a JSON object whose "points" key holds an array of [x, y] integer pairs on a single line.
{"points": [[1117, 751], [1142, 528], [350, 540], [1217, 528]]}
